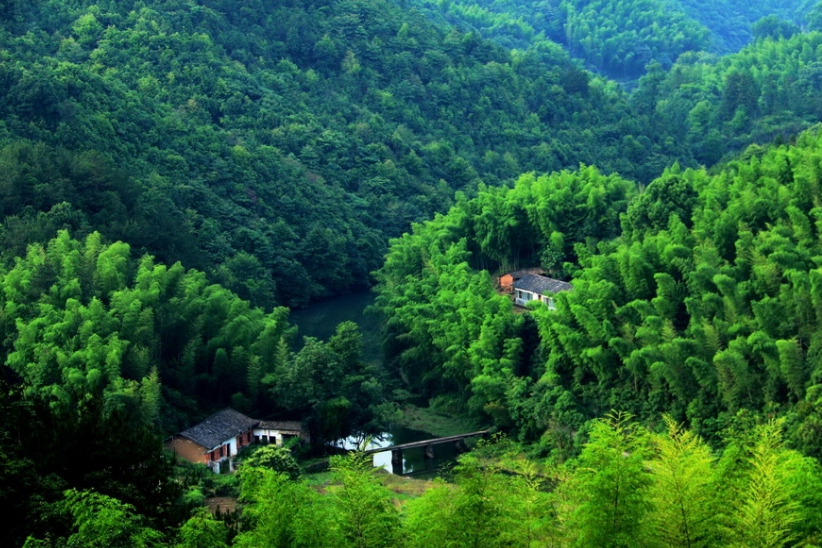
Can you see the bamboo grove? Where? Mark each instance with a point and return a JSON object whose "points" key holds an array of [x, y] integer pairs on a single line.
{"points": [[698, 297]]}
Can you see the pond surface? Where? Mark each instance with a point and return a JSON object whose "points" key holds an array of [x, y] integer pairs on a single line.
{"points": [[414, 461], [320, 320]]}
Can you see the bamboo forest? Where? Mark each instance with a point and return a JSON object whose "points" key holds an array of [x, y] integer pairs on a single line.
{"points": [[571, 247]]}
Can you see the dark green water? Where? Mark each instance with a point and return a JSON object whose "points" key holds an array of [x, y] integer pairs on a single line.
{"points": [[414, 461], [320, 320]]}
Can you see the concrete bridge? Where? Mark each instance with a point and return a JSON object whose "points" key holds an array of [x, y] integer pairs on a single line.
{"points": [[427, 445]]}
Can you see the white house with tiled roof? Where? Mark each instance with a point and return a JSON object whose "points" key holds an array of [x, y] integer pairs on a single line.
{"points": [[535, 287], [217, 438]]}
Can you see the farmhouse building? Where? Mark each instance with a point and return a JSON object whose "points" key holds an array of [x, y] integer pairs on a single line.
{"points": [[506, 281], [536, 287], [220, 437]]}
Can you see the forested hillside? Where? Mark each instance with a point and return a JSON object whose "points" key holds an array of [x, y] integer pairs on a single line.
{"points": [[276, 146], [733, 23], [206, 133], [165, 346], [104, 352], [698, 297], [769, 90], [629, 486], [174, 175], [620, 38]]}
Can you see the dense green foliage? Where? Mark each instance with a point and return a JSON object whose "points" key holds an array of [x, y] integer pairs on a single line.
{"points": [[89, 448], [706, 321], [714, 105], [617, 38], [734, 23], [447, 330], [356, 511], [162, 343], [331, 388], [273, 457], [256, 154], [106, 351], [275, 146], [215, 136], [85, 317], [771, 89], [621, 38], [706, 304], [628, 487]]}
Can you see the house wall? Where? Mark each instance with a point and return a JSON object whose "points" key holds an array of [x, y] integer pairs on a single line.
{"points": [[211, 456], [244, 439], [187, 449], [275, 435], [236, 443], [269, 435], [523, 297], [506, 281]]}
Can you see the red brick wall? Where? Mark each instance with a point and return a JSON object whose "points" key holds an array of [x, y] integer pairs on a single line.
{"points": [[187, 449]]}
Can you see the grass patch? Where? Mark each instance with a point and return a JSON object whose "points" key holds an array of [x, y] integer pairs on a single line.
{"points": [[404, 487]]}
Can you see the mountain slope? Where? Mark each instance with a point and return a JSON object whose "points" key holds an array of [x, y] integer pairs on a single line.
{"points": [[705, 306], [277, 145], [620, 38]]}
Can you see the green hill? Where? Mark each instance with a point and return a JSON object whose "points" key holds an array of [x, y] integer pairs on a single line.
{"points": [[276, 146], [619, 38], [697, 297]]}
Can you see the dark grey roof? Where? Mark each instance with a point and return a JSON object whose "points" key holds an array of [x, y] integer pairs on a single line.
{"points": [[519, 274], [281, 425], [541, 284], [219, 427]]}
